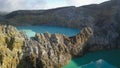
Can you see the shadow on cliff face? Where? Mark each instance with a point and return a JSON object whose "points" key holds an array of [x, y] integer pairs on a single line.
{"points": [[27, 60], [52, 51], [44, 51]]}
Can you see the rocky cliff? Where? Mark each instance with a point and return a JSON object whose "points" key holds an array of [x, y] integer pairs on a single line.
{"points": [[11, 47], [42, 51], [99, 25], [46, 51], [54, 50]]}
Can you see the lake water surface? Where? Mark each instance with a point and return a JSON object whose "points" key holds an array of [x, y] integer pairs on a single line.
{"points": [[99, 59], [31, 30]]}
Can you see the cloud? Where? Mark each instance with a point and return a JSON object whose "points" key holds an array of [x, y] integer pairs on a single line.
{"points": [[83, 2], [10, 5]]}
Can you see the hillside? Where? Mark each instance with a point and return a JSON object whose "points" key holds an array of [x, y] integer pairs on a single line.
{"points": [[103, 18], [77, 16]]}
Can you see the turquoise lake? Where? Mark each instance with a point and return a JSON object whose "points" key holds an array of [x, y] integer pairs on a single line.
{"points": [[31, 30], [99, 59]]}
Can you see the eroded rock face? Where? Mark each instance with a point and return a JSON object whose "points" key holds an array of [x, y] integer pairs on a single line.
{"points": [[46, 51], [11, 44], [53, 50], [42, 51], [77, 43]]}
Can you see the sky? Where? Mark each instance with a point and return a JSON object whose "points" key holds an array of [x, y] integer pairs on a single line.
{"points": [[12, 5]]}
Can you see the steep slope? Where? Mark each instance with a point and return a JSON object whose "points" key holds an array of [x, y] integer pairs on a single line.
{"points": [[42, 51], [103, 18]]}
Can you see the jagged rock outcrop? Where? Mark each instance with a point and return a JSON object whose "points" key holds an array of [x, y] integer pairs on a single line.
{"points": [[80, 41], [53, 50], [46, 51], [77, 44], [11, 44], [42, 51]]}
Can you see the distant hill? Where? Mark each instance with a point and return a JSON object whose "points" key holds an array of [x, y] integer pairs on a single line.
{"points": [[35, 17], [3, 13], [23, 12], [77, 16], [2, 18], [66, 15]]}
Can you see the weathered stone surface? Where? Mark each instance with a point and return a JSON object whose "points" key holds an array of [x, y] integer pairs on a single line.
{"points": [[77, 43], [99, 25], [11, 44], [53, 50], [46, 51], [43, 51]]}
